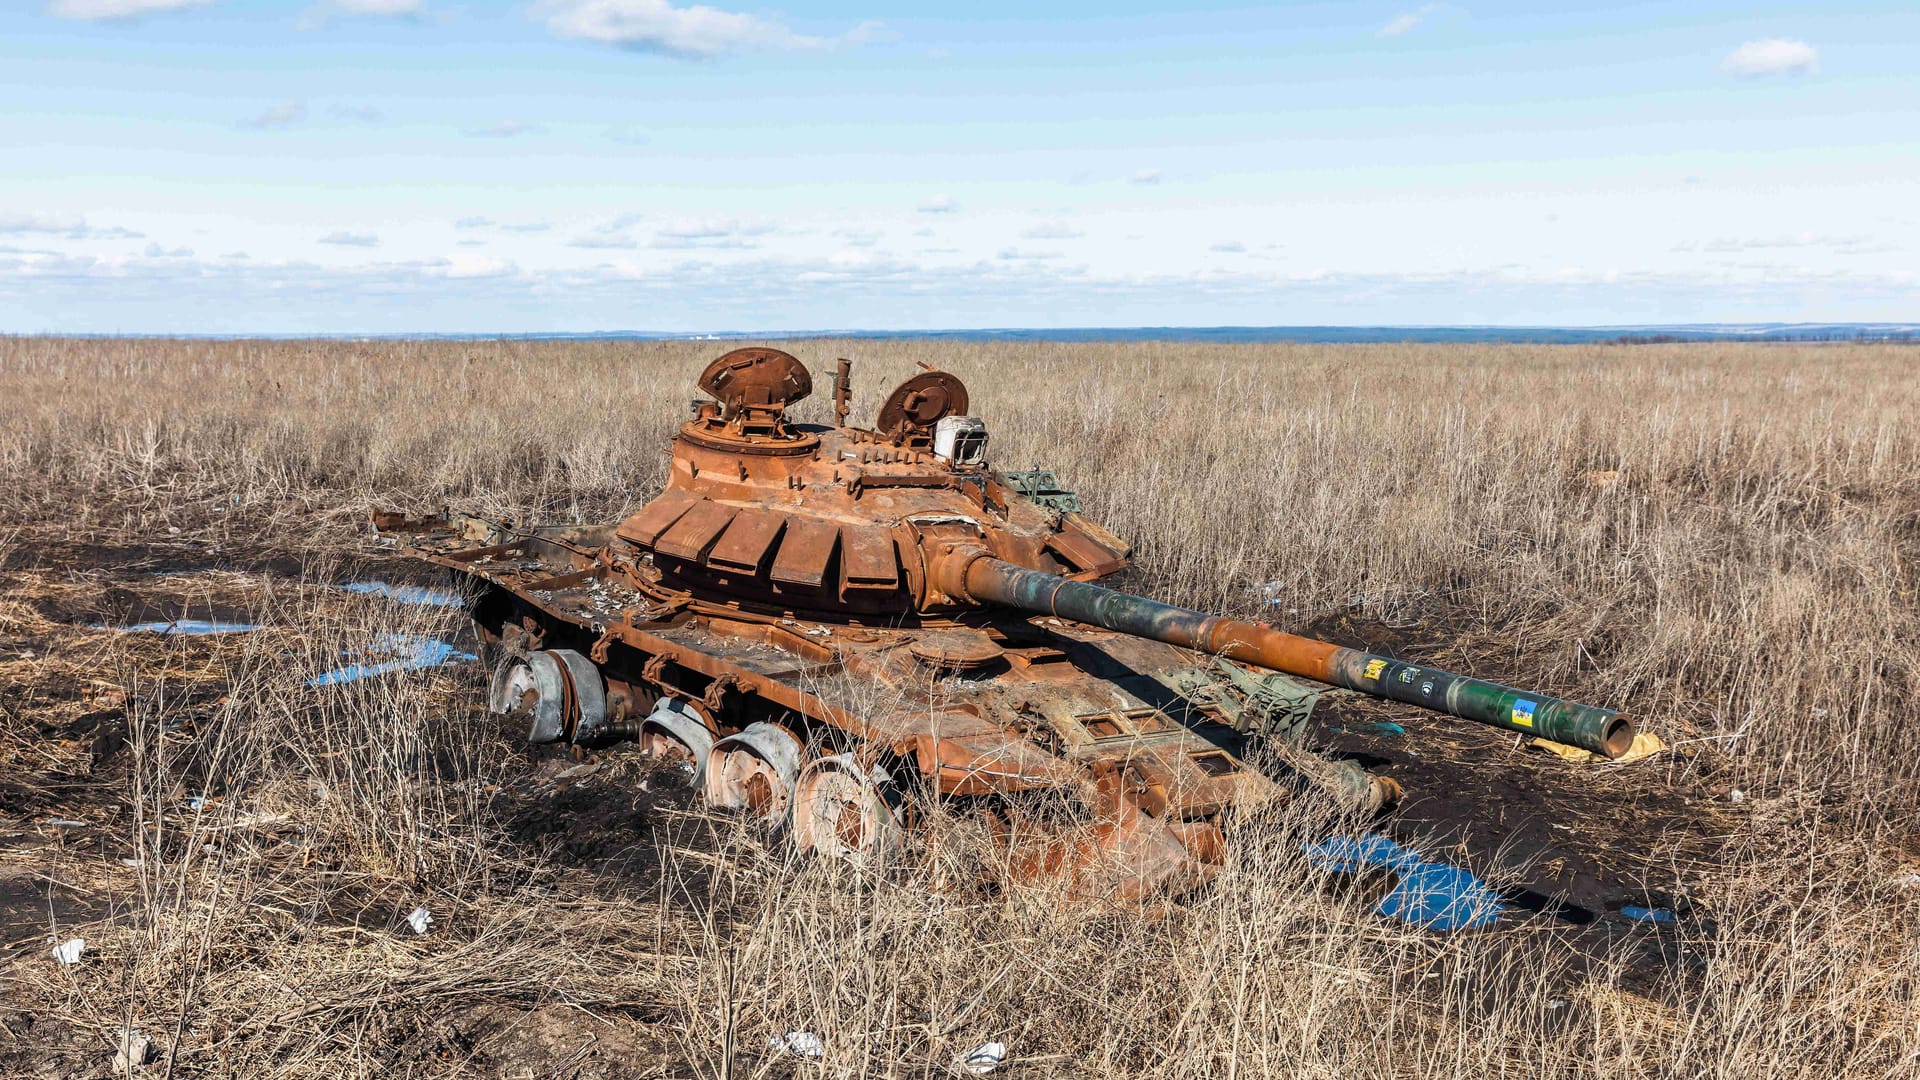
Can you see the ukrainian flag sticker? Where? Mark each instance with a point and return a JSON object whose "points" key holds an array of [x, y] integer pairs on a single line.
{"points": [[1523, 712]]}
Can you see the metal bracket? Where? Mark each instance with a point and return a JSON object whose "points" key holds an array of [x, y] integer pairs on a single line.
{"points": [[1043, 487]]}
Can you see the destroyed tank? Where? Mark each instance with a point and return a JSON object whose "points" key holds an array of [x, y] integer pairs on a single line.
{"points": [[784, 562]]}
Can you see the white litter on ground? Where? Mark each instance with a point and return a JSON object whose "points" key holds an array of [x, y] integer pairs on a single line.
{"points": [[420, 919], [68, 952], [133, 1052], [800, 1044], [985, 1058]]}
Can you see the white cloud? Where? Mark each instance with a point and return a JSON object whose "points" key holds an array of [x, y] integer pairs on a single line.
{"points": [[1407, 20], [862, 238], [475, 266], [1145, 176], [1229, 247], [96, 10], [527, 227], [286, 114], [939, 204], [73, 228], [356, 114], [316, 16], [696, 31], [1020, 255], [473, 223], [610, 242], [1052, 230], [378, 7], [1772, 56], [342, 238], [134, 294], [506, 129], [155, 251], [721, 233], [1843, 245]]}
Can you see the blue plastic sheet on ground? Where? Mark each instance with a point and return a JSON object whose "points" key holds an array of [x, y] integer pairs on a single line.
{"points": [[417, 595], [1376, 727], [1430, 895], [1649, 914], [403, 652], [185, 627]]}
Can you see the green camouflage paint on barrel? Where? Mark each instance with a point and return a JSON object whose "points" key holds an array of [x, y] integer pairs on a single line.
{"points": [[1525, 711]]}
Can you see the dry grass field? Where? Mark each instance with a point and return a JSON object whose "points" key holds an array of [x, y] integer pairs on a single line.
{"points": [[1724, 539]]}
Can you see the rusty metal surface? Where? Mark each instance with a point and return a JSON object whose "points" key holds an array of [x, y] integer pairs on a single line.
{"points": [[919, 403], [756, 378], [780, 559]]}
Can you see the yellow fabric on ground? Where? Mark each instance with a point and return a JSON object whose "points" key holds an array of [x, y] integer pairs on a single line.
{"points": [[1645, 744]]}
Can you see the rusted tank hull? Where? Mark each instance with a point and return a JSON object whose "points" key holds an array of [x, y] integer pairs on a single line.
{"points": [[1064, 713]]}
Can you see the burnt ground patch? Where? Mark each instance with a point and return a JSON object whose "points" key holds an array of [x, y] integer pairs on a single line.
{"points": [[1574, 843]]}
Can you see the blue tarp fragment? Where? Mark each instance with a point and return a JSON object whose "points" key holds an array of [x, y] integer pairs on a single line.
{"points": [[1649, 914], [1374, 727], [1430, 895], [404, 652], [185, 627], [417, 595]]}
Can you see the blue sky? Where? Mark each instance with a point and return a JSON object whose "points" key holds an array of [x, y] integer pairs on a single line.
{"points": [[343, 166]]}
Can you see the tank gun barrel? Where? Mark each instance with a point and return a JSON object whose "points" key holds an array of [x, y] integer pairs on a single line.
{"points": [[1603, 731]]}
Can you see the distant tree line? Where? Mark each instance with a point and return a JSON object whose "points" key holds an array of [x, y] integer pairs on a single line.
{"points": [[1899, 337]]}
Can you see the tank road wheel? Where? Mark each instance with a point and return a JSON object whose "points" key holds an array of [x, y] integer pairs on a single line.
{"points": [[588, 695], [754, 769], [677, 731], [534, 683], [840, 810], [560, 690]]}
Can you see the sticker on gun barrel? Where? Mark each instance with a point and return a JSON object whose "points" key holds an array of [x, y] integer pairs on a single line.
{"points": [[1523, 712], [1374, 668]]}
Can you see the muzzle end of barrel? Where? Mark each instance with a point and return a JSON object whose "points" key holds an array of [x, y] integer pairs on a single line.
{"points": [[1616, 736]]}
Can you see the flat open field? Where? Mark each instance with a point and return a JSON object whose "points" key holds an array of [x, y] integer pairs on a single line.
{"points": [[1724, 540]]}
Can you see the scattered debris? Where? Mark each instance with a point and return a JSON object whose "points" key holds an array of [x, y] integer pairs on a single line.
{"points": [[135, 1050], [1649, 914], [985, 1058], [414, 595], [66, 823], [1908, 881], [420, 919], [67, 953], [803, 1044], [1736, 795], [1430, 895], [1645, 744], [407, 652]]}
